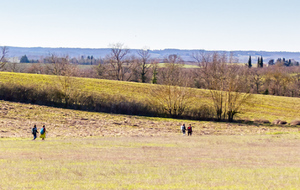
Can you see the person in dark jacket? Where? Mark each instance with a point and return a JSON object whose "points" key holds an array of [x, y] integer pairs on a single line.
{"points": [[190, 130], [183, 129], [34, 132]]}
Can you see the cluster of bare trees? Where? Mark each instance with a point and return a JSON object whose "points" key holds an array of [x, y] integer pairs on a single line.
{"points": [[225, 82], [120, 65], [230, 85], [276, 80], [172, 94]]}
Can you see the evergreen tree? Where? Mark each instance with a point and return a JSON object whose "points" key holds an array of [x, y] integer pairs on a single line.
{"points": [[24, 59], [261, 62], [154, 75], [249, 62], [258, 62]]}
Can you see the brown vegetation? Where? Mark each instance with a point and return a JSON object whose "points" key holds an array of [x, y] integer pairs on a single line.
{"points": [[17, 119], [225, 82]]}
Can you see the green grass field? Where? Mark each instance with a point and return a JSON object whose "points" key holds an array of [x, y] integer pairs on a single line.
{"points": [[260, 106]]}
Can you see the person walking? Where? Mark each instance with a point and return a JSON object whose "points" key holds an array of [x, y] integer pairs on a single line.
{"points": [[183, 129], [43, 132], [190, 130], [34, 132]]}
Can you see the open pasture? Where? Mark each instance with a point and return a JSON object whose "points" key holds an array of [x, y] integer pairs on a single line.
{"points": [[89, 150], [173, 162]]}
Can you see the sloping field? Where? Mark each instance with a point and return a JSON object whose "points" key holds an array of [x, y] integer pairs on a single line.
{"points": [[260, 106], [17, 119]]}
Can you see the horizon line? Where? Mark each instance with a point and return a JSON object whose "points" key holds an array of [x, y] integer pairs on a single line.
{"points": [[154, 49]]}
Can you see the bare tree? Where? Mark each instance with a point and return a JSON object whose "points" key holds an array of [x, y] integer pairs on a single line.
{"points": [[201, 58], [145, 63], [256, 79], [65, 71], [60, 66], [171, 74], [117, 60], [225, 82], [172, 95], [174, 100], [277, 81], [4, 51]]}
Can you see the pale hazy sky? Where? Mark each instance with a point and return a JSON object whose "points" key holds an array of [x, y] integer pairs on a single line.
{"points": [[158, 24]]}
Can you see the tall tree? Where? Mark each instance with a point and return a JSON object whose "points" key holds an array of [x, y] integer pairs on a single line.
{"points": [[258, 62], [261, 62], [250, 62], [144, 55], [154, 73], [290, 62], [117, 60], [24, 59]]}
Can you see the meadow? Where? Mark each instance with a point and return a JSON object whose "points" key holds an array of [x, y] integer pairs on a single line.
{"points": [[90, 150], [258, 107], [174, 162]]}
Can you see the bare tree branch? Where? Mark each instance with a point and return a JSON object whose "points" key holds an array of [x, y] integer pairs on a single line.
{"points": [[4, 51]]}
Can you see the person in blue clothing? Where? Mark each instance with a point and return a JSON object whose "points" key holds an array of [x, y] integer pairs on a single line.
{"points": [[183, 129], [43, 133], [34, 132]]}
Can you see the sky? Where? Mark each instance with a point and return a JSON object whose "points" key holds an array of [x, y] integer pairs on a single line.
{"points": [[260, 25]]}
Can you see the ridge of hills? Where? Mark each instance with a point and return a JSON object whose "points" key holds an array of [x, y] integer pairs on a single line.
{"points": [[242, 56]]}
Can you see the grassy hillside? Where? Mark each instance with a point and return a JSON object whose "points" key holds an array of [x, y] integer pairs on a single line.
{"points": [[260, 107]]}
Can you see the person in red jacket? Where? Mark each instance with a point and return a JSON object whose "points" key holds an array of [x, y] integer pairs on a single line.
{"points": [[190, 130]]}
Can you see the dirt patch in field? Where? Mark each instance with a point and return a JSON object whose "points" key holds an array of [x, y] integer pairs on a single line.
{"points": [[17, 119]]}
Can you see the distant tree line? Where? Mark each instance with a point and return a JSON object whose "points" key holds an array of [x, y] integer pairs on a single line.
{"points": [[280, 77]]}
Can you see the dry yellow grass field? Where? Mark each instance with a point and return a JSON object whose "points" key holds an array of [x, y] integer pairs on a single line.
{"points": [[17, 119], [87, 150], [173, 162]]}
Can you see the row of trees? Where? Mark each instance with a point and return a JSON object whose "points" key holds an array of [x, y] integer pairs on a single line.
{"points": [[229, 85], [120, 65], [260, 62]]}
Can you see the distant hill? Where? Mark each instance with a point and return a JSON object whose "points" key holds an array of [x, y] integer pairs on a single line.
{"points": [[38, 52]]}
